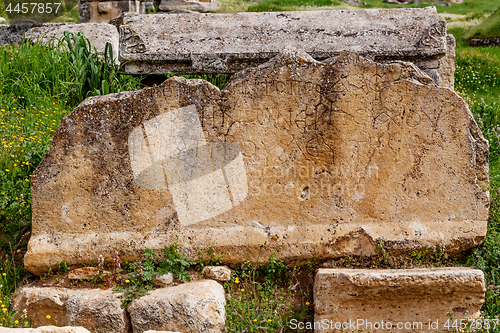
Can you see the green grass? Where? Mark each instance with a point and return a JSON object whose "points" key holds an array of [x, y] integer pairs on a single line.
{"points": [[473, 8], [467, 7], [489, 27], [279, 5], [39, 84], [477, 80]]}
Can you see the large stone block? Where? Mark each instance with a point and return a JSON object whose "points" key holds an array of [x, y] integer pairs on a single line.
{"points": [[407, 300], [98, 34], [316, 159], [227, 43], [97, 310], [196, 307]]}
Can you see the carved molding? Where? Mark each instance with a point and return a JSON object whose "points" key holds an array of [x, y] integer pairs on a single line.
{"points": [[130, 41], [434, 36]]}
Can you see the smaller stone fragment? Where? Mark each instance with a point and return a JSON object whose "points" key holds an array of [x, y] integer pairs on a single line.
{"points": [[195, 307], [161, 332], [163, 280], [86, 273], [203, 6], [98, 310], [218, 273]]}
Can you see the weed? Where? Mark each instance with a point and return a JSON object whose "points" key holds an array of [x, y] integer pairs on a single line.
{"points": [[63, 267], [139, 281], [432, 256], [176, 263], [131, 291], [212, 260], [258, 302]]}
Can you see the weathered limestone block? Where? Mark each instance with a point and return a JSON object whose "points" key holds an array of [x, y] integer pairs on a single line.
{"points": [[45, 329], [315, 159], [97, 310], [446, 68], [407, 300], [218, 273], [98, 34], [13, 33], [203, 6], [227, 43], [98, 11], [196, 307]]}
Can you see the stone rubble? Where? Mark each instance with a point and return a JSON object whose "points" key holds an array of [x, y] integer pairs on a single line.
{"points": [[218, 273], [196, 307]]}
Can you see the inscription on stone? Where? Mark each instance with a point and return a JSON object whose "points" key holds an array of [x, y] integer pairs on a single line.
{"points": [[315, 159]]}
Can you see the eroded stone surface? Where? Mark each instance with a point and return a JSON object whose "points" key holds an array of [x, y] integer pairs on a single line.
{"points": [[196, 307], [314, 159], [227, 43], [97, 310], [446, 68], [361, 299], [98, 34], [219, 273]]}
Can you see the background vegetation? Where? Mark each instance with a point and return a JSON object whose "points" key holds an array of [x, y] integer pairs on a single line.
{"points": [[40, 84]]}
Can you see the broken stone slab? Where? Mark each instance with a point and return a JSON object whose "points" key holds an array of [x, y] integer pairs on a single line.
{"points": [[227, 43], [218, 273], [13, 33], [97, 310], [407, 300], [315, 159], [494, 41], [446, 68], [99, 11], [195, 307], [45, 329], [194, 6], [98, 34]]}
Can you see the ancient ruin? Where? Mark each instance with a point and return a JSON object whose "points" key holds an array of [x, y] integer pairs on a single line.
{"points": [[325, 157], [402, 300], [338, 131]]}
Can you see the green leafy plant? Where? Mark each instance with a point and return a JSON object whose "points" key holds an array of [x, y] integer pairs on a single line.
{"points": [[131, 291], [261, 302], [62, 267], [176, 263]]}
